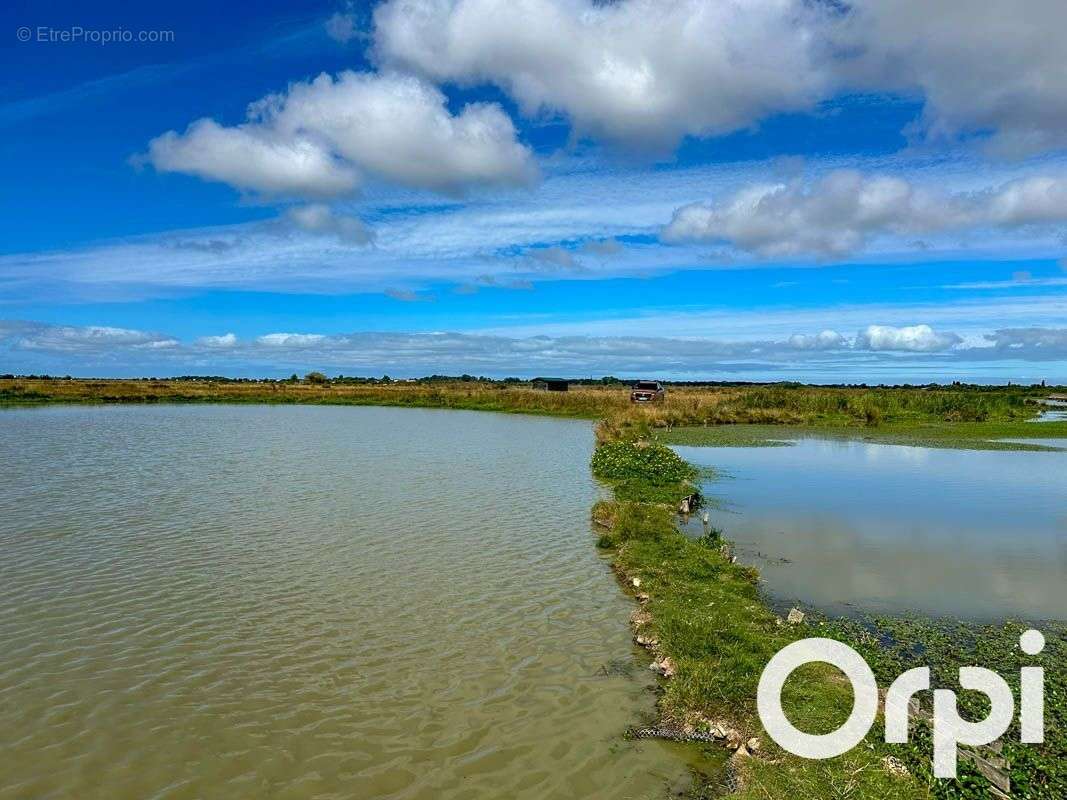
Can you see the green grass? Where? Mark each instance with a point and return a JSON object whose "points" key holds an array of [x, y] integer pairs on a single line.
{"points": [[892, 645], [708, 616]]}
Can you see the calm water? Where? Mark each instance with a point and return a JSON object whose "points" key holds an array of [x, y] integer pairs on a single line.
{"points": [[853, 525], [1056, 411], [303, 602]]}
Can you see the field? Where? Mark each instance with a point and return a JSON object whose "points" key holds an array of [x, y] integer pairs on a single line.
{"points": [[779, 404]]}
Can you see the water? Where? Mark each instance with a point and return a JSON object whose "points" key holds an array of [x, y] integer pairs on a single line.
{"points": [[311, 602], [1057, 411], [849, 526]]}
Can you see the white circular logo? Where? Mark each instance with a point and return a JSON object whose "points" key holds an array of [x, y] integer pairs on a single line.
{"points": [[864, 706]]}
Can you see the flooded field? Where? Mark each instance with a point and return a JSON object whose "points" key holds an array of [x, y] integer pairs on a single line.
{"points": [[846, 526], [311, 602]]}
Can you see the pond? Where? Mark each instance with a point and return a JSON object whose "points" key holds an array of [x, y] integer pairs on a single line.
{"points": [[311, 602], [1055, 411], [849, 526]]}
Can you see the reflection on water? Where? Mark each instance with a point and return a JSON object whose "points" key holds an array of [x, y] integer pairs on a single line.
{"points": [[310, 602], [854, 525]]}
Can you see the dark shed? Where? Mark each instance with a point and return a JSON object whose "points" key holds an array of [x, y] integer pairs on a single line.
{"points": [[551, 384]]}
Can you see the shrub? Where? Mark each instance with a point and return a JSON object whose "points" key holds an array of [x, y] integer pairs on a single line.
{"points": [[650, 462]]}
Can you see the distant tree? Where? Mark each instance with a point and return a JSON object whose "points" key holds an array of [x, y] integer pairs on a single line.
{"points": [[316, 377]]}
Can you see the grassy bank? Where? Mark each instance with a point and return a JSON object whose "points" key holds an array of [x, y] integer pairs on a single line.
{"points": [[685, 405], [703, 620], [702, 615]]}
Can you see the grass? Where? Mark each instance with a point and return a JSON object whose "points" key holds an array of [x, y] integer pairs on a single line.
{"points": [[685, 405], [892, 645], [708, 617]]}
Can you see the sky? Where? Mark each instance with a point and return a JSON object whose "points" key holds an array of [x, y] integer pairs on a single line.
{"points": [[815, 190]]}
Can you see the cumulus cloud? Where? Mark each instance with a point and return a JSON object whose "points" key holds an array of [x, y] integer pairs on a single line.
{"points": [[640, 73], [320, 219], [324, 138], [994, 66], [252, 158], [841, 212], [826, 340], [913, 339], [644, 73]]}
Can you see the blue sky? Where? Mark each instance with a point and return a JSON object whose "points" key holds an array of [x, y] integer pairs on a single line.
{"points": [[801, 191]]}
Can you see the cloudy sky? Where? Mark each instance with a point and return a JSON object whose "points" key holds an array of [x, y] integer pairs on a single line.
{"points": [[824, 190]]}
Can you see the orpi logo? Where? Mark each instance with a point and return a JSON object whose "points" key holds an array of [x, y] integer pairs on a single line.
{"points": [[950, 730]]}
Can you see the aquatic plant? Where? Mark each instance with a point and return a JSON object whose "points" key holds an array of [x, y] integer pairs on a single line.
{"points": [[650, 462]]}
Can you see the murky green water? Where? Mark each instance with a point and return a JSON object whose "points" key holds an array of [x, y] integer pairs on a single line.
{"points": [[849, 526], [310, 602]]}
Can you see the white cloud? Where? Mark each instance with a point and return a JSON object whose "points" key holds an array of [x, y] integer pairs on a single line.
{"points": [[252, 158], [72, 339], [1027, 201], [647, 73], [437, 241], [639, 72], [875, 353], [913, 339], [342, 27], [1019, 280], [299, 340], [224, 341], [827, 340], [1036, 344], [322, 138], [843, 211], [320, 219], [994, 65]]}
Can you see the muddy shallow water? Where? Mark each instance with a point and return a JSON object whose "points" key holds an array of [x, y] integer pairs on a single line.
{"points": [[856, 526], [311, 602]]}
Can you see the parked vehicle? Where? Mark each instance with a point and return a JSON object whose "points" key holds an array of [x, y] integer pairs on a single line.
{"points": [[647, 392]]}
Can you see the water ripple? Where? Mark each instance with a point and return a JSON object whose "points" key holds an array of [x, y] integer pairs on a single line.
{"points": [[300, 602]]}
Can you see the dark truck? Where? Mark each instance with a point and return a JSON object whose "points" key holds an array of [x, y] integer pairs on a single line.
{"points": [[647, 392]]}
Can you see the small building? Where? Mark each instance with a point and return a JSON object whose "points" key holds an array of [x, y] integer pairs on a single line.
{"points": [[551, 384]]}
